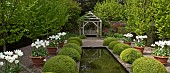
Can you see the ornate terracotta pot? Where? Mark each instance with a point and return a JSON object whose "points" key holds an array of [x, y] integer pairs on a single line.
{"points": [[38, 61], [162, 59], [139, 48], [52, 50], [129, 43]]}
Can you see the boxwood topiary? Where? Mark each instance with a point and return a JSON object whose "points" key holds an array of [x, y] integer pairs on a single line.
{"points": [[76, 38], [74, 41], [112, 44], [74, 54], [60, 64], [129, 55], [147, 65], [107, 40], [118, 48], [74, 46]]}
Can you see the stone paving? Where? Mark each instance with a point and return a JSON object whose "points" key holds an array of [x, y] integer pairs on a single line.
{"points": [[89, 42]]}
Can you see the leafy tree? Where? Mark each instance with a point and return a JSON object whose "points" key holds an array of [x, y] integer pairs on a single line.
{"points": [[73, 11], [109, 10], [11, 28], [44, 17]]}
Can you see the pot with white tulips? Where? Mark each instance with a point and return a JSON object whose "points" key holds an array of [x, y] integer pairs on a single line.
{"points": [[39, 52], [53, 44], [62, 37], [9, 61], [161, 51], [128, 38], [140, 43]]}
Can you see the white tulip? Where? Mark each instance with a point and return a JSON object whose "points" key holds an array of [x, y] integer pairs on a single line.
{"points": [[33, 44], [153, 45], [19, 52], [1, 63], [2, 56], [15, 56], [44, 60], [8, 53], [16, 61]]}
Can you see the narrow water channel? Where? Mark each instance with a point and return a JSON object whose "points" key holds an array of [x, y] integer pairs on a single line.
{"points": [[99, 61]]}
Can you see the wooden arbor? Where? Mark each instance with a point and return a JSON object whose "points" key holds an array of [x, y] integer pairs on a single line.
{"points": [[92, 25]]}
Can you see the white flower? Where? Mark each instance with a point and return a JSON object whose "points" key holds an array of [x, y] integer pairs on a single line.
{"points": [[8, 53], [63, 33], [16, 61], [128, 35], [1, 63], [44, 60], [145, 36], [59, 34], [33, 44], [2, 56], [11, 61], [153, 45], [15, 56], [19, 52]]}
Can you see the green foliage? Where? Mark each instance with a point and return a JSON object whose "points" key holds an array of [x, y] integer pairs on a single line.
{"points": [[112, 44], [41, 51], [77, 39], [162, 17], [130, 55], [60, 64], [11, 28], [107, 40], [117, 49], [109, 10], [118, 35], [74, 46], [147, 65], [52, 44], [44, 17], [73, 41], [73, 12], [83, 36], [73, 53]]}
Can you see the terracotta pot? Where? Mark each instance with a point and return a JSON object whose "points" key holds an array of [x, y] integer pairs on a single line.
{"points": [[38, 61], [129, 43], [139, 48], [52, 50], [61, 44], [162, 59]]}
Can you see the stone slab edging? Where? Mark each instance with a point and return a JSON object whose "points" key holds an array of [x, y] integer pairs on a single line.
{"points": [[125, 65]]}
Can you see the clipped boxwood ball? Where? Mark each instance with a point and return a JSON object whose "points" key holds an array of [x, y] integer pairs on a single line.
{"points": [[74, 54], [112, 44], [60, 64], [74, 46], [118, 48], [76, 38], [147, 65], [107, 40], [74, 41], [129, 55]]}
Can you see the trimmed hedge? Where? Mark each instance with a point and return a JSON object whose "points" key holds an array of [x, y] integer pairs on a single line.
{"points": [[107, 40], [129, 55], [60, 64], [118, 48], [74, 41], [147, 65], [76, 38], [74, 46], [73, 53], [112, 44]]}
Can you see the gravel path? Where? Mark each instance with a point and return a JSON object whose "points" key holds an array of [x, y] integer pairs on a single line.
{"points": [[89, 42]]}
